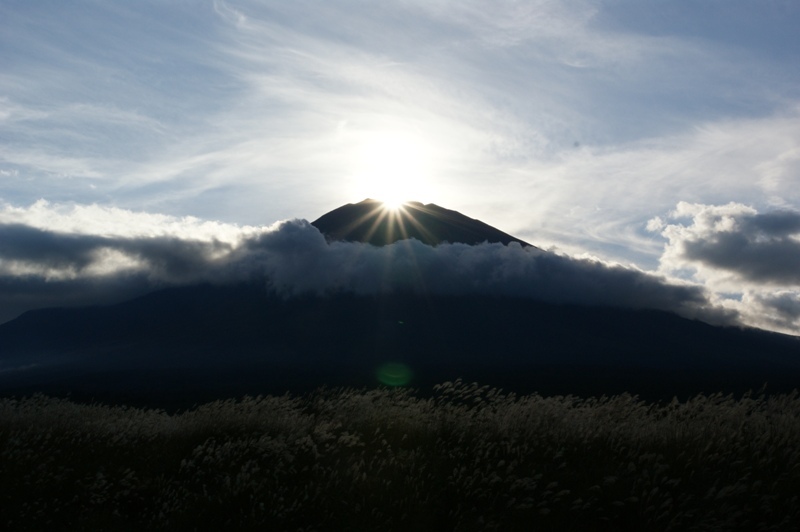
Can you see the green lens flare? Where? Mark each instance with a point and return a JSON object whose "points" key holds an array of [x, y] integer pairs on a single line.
{"points": [[394, 374]]}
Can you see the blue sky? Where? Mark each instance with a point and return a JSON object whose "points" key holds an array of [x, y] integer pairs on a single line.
{"points": [[633, 132]]}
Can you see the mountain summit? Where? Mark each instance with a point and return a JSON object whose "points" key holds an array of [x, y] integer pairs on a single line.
{"points": [[370, 221]]}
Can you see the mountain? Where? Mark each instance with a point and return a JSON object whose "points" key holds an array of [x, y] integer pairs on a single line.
{"points": [[184, 345], [370, 221]]}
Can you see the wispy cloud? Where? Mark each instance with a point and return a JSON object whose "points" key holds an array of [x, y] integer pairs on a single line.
{"points": [[601, 199]]}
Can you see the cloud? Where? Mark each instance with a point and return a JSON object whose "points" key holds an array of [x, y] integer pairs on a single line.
{"points": [[100, 220], [778, 310], [58, 254], [297, 259], [758, 249], [736, 251], [600, 199], [29, 251], [45, 267]]}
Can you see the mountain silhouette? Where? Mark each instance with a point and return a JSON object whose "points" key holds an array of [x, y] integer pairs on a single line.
{"points": [[371, 222], [182, 345]]}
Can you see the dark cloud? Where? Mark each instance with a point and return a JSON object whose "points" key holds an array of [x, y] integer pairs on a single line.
{"points": [[760, 248], [45, 248], [41, 268], [777, 224], [174, 259], [165, 258], [780, 309], [296, 259]]}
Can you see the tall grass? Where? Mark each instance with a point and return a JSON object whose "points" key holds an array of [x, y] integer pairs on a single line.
{"points": [[464, 458]]}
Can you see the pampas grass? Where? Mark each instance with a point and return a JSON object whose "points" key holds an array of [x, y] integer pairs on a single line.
{"points": [[465, 457]]}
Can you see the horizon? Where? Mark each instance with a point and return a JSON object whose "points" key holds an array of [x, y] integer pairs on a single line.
{"points": [[663, 139]]}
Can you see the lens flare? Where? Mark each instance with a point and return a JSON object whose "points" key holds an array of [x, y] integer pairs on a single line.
{"points": [[394, 374]]}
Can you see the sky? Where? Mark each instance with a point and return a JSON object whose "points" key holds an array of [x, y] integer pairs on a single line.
{"points": [[659, 137]]}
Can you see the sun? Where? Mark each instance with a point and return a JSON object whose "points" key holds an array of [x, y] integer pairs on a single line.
{"points": [[393, 204], [393, 168]]}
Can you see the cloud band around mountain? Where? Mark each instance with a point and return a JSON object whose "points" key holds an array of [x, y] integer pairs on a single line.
{"points": [[41, 267]]}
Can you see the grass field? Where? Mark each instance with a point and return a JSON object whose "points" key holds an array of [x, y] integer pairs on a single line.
{"points": [[463, 457]]}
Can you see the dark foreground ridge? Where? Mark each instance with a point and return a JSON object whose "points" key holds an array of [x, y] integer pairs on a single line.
{"points": [[181, 346], [368, 221]]}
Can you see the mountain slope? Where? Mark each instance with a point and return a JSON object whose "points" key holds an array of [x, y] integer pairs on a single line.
{"points": [[194, 343], [368, 221]]}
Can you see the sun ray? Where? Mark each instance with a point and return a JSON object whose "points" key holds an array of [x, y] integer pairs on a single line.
{"points": [[363, 219], [398, 215], [422, 229], [382, 213]]}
